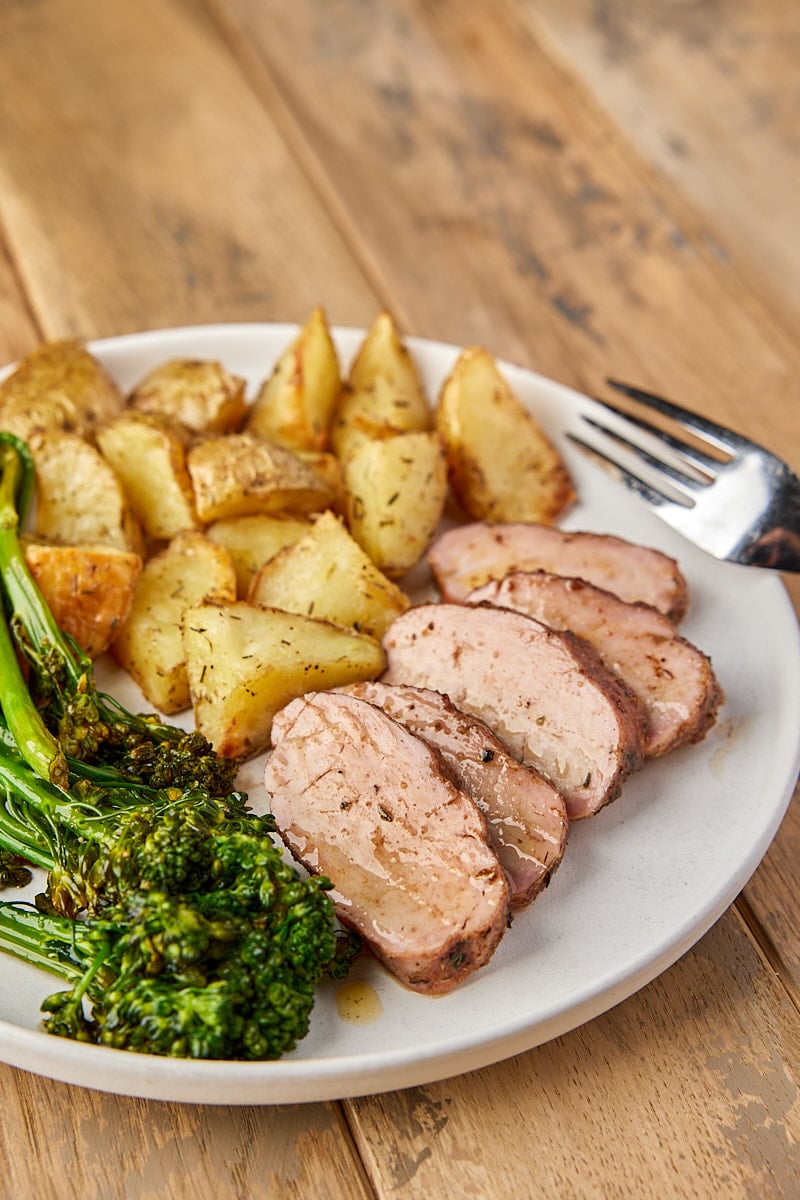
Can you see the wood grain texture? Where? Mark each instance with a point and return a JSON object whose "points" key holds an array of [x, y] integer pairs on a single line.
{"points": [[683, 1092], [653, 67], [177, 203], [502, 206], [58, 1141]]}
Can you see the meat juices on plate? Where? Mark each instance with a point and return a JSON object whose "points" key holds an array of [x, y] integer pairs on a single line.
{"points": [[359, 798], [545, 694], [526, 815]]}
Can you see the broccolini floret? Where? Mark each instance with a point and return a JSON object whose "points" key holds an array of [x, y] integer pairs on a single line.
{"points": [[159, 975]]}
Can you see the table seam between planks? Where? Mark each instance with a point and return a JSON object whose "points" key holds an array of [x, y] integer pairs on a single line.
{"points": [[268, 92]]}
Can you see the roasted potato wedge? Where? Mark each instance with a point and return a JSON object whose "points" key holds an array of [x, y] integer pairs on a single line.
{"points": [[149, 456], [240, 474], [395, 494], [89, 589], [327, 575], [384, 393], [200, 395], [79, 498], [329, 469], [251, 541], [502, 466], [295, 405], [245, 663], [149, 644], [60, 385]]}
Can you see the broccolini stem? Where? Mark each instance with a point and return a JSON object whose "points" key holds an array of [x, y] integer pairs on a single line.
{"points": [[23, 596], [41, 940], [34, 741]]}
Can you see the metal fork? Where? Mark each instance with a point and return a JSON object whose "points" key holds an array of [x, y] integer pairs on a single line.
{"points": [[741, 504]]}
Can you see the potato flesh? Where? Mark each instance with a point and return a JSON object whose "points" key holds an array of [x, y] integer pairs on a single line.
{"points": [[80, 500], [253, 540], [149, 458], [501, 465], [245, 663], [327, 575], [149, 645], [295, 405], [396, 489]]}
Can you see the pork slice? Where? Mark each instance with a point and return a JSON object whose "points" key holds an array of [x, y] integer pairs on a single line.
{"points": [[467, 556], [545, 694], [673, 680], [526, 815], [359, 798]]}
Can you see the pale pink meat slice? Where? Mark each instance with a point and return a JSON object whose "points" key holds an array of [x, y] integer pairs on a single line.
{"points": [[359, 798], [526, 815], [672, 678], [467, 556], [545, 694]]}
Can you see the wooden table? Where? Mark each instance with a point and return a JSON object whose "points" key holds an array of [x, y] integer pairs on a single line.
{"points": [[588, 187]]}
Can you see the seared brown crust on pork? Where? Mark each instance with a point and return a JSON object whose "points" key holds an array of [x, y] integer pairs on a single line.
{"points": [[465, 557], [359, 798], [673, 680], [545, 694], [526, 815]]}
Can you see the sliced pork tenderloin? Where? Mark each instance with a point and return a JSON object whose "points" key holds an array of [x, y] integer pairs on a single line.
{"points": [[467, 556], [526, 814], [545, 694], [673, 680], [359, 798]]}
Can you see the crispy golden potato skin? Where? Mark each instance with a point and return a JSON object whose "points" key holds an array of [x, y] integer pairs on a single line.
{"points": [[148, 455], [198, 394], [240, 474], [59, 385], [246, 662], [295, 405], [327, 575], [149, 644], [502, 467], [89, 589]]}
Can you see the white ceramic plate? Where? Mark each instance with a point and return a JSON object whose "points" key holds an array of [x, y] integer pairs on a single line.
{"points": [[639, 884]]}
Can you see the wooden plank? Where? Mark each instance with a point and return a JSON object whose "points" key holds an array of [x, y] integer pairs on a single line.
{"points": [[499, 205], [58, 1141], [686, 1090], [771, 901], [177, 203], [653, 67]]}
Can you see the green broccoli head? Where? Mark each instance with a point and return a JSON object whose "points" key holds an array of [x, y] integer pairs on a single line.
{"points": [[199, 977]]}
